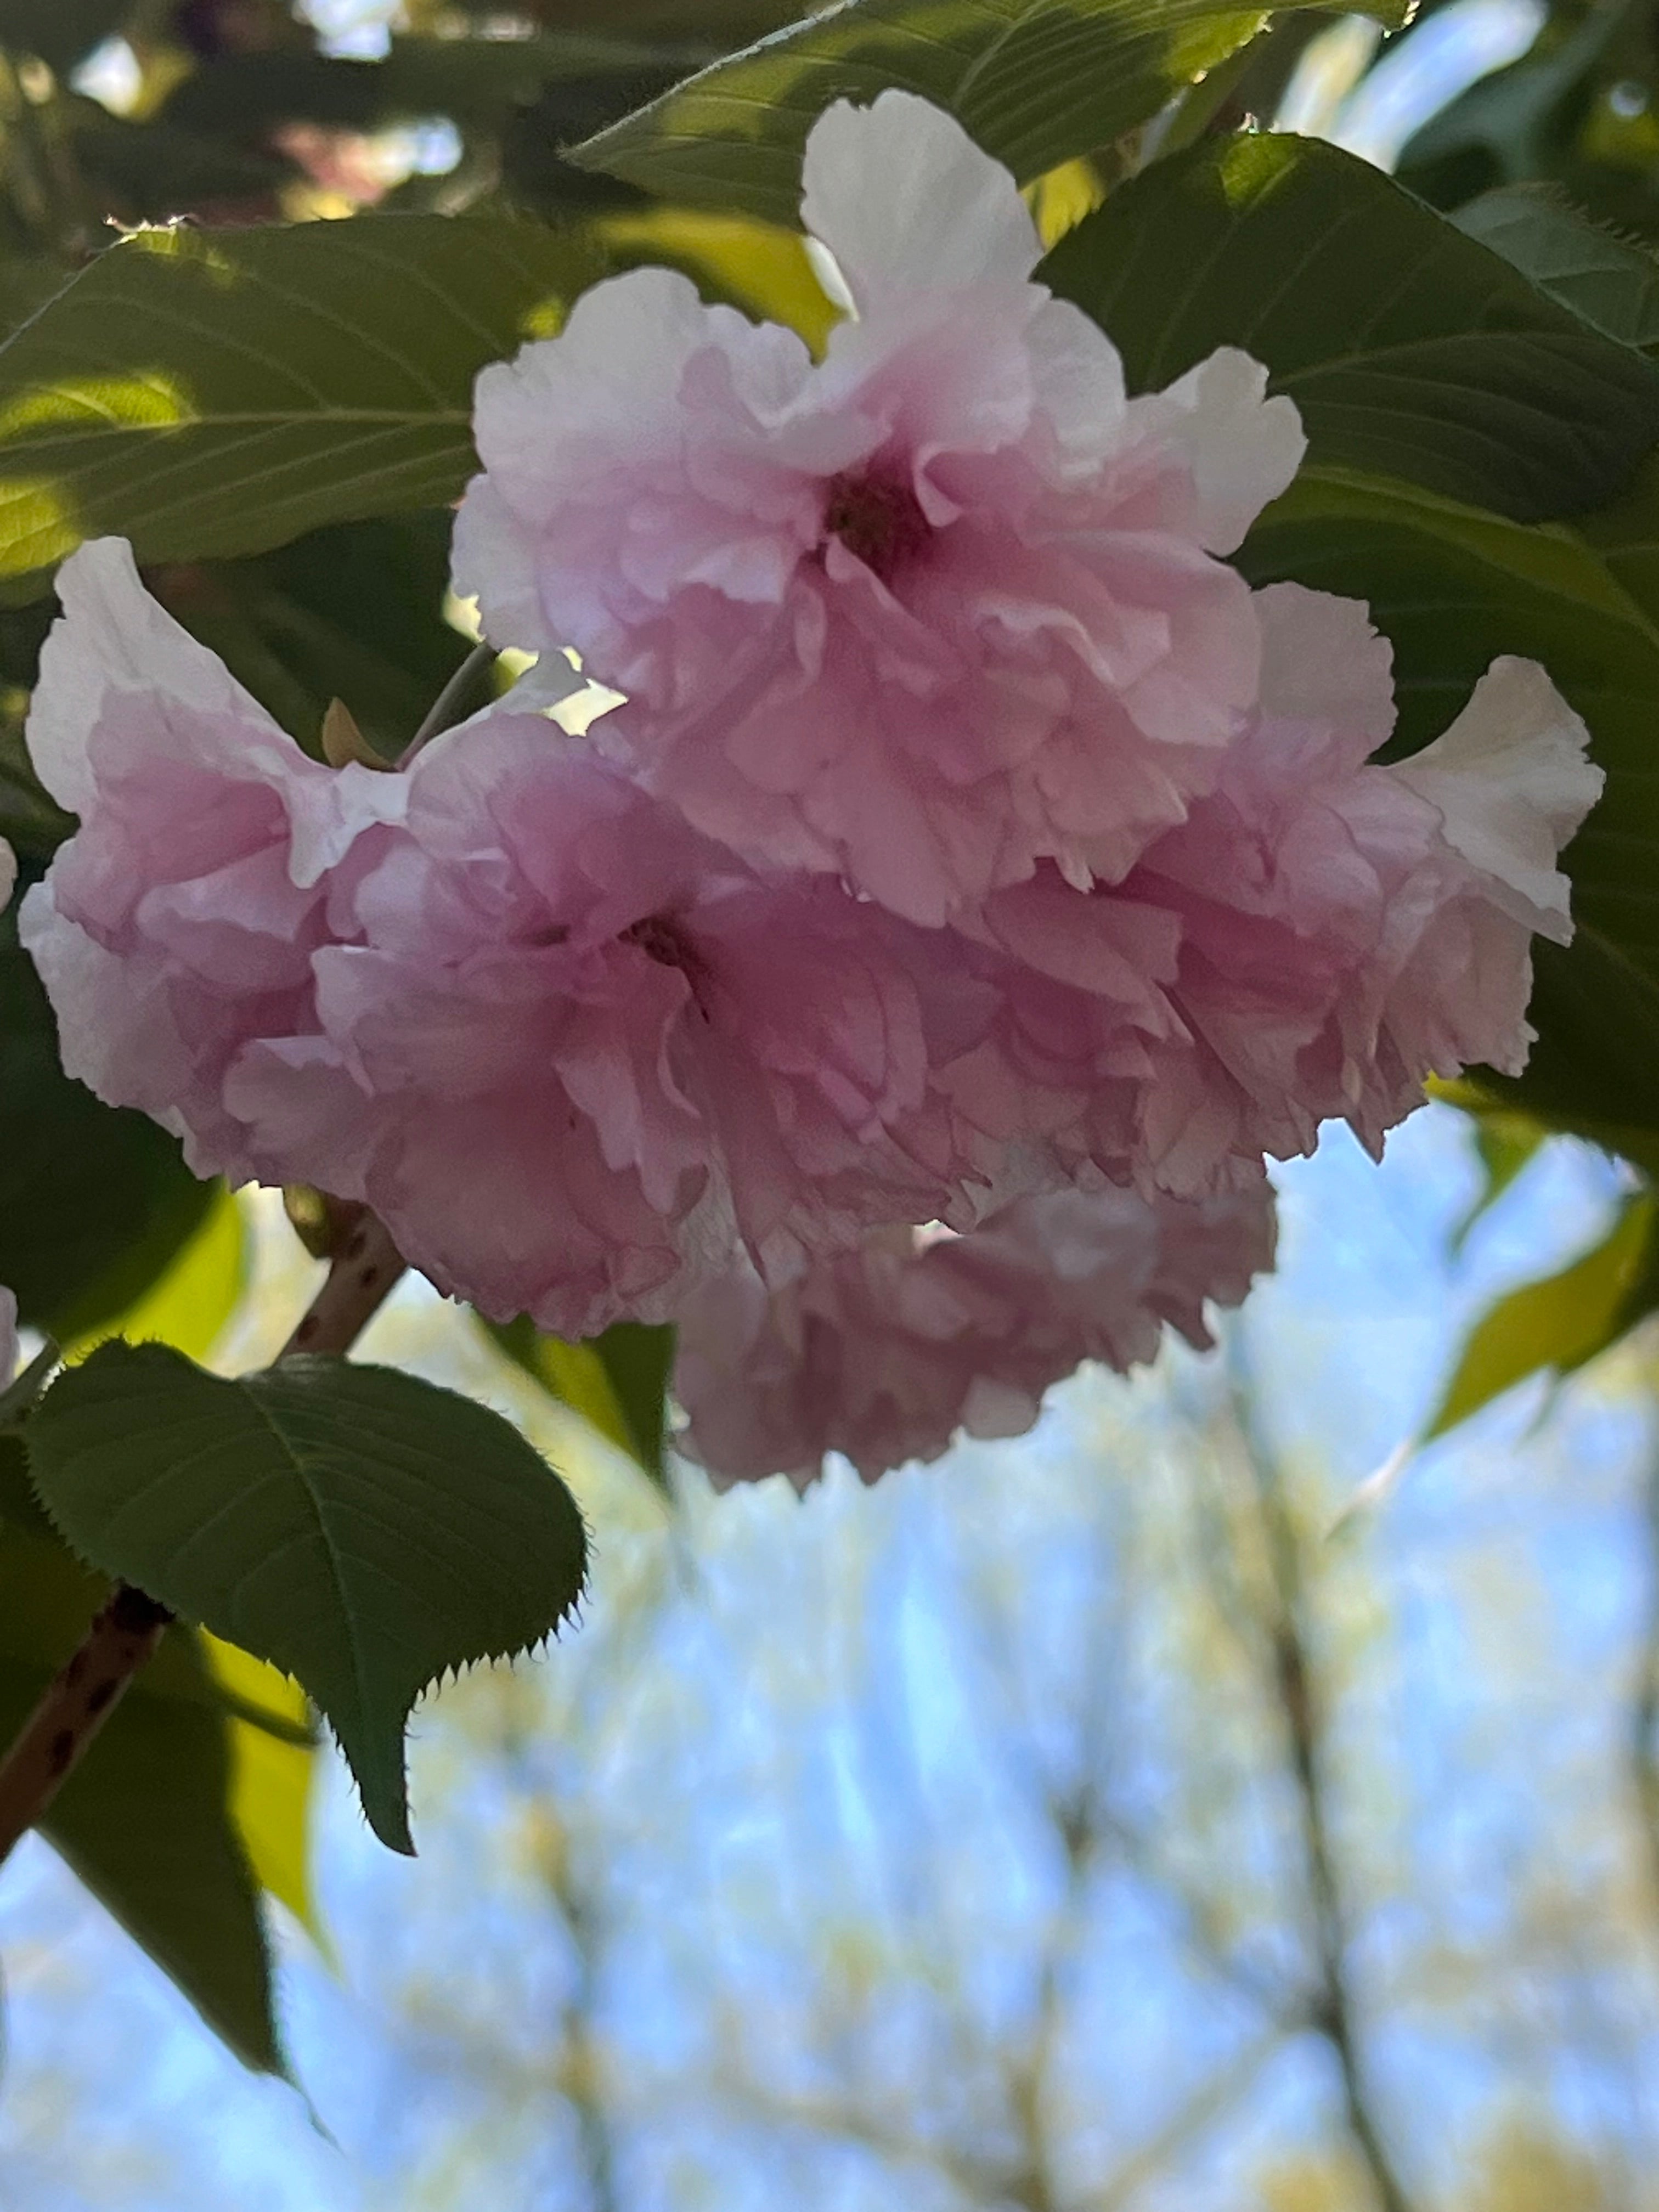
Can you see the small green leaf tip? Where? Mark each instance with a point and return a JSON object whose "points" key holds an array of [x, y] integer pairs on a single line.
{"points": [[366, 1531]]}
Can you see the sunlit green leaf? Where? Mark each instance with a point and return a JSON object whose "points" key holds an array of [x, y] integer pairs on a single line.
{"points": [[189, 1304], [1035, 81], [271, 1779], [217, 393], [1409, 348], [1557, 1324], [361, 1530], [1506, 1143]]}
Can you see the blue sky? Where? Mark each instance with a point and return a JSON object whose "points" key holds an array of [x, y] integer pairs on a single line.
{"points": [[798, 1751]]}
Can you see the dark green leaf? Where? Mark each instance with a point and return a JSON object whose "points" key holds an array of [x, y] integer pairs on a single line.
{"points": [[20, 1508], [60, 31], [362, 1531], [1035, 81], [31, 820], [1559, 1323], [638, 1360], [1452, 588], [151, 172], [352, 613], [18, 1399], [241, 95], [218, 392], [93, 1202], [1410, 348], [145, 1820], [1604, 280]]}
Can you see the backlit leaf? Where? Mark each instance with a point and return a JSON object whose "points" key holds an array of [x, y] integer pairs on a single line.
{"points": [[618, 1383], [1557, 1324], [217, 393], [1034, 81]]}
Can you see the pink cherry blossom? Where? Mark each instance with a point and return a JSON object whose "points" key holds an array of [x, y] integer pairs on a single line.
{"points": [[884, 1353], [1321, 934], [178, 923], [574, 1054], [568, 1047], [922, 613], [571, 1051]]}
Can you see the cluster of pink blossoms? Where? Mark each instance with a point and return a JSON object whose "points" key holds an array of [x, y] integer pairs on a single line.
{"points": [[906, 985]]}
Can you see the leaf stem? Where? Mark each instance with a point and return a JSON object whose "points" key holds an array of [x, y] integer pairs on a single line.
{"points": [[125, 1636], [80, 1700]]}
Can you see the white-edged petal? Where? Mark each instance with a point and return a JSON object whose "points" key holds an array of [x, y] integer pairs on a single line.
{"points": [[8, 1337], [1512, 782], [1242, 447], [1323, 662], [909, 205], [113, 635]]}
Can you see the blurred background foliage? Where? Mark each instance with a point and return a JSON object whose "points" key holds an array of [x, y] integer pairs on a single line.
{"points": [[1196, 1807], [1123, 1817]]}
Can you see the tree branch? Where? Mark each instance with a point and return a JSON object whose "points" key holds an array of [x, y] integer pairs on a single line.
{"points": [[1332, 2010], [80, 1700]]}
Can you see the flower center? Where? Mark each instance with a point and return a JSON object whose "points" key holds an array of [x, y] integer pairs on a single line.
{"points": [[878, 518], [659, 940]]}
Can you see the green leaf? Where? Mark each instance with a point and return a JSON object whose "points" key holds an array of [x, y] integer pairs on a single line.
{"points": [[1603, 279], [145, 1819], [218, 392], [1506, 1143], [1452, 588], [31, 820], [1558, 1323], [1517, 123], [361, 1530], [1035, 81], [151, 172], [94, 1202], [618, 1383], [20, 1508], [353, 612], [61, 31], [189, 1305], [1410, 349], [271, 1777]]}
